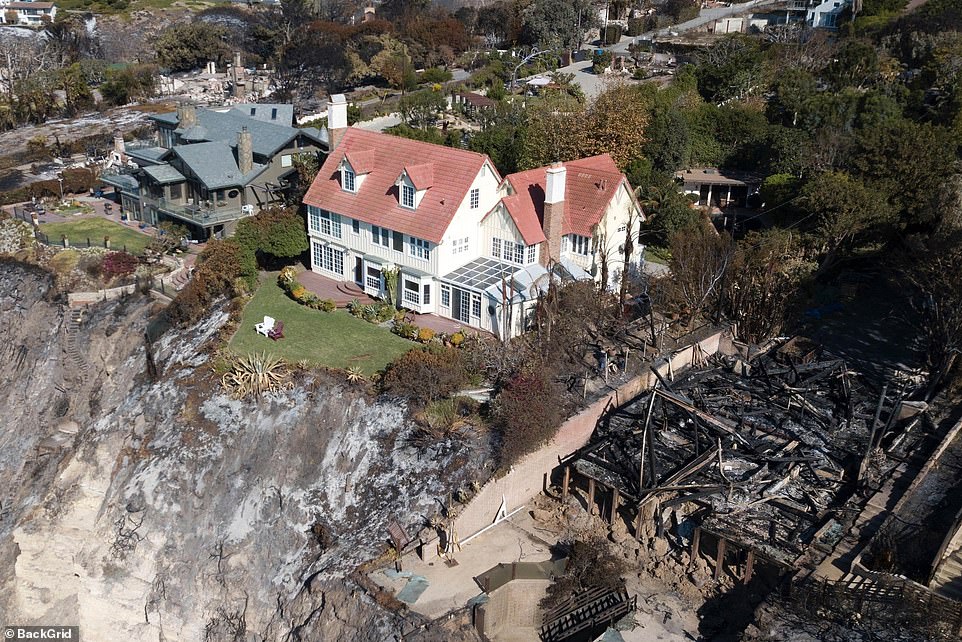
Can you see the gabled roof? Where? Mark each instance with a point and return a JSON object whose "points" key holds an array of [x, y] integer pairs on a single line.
{"points": [[215, 165], [376, 199], [267, 137], [526, 219], [590, 184], [421, 176], [361, 160]]}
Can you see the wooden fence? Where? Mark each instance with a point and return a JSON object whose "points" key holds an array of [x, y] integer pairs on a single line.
{"points": [[906, 601]]}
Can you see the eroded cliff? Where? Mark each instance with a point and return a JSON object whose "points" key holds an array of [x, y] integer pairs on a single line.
{"points": [[161, 509]]}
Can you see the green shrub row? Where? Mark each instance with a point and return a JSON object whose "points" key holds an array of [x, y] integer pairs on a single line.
{"points": [[376, 313], [287, 279]]}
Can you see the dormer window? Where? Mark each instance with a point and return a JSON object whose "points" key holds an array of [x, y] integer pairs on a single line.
{"points": [[407, 195], [348, 179]]}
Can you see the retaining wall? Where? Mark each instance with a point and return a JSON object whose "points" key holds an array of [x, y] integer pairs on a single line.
{"points": [[530, 476]]}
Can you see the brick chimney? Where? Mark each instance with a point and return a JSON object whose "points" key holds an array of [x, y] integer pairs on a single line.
{"points": [[554, 205], [245, 151], [336, 120], [188, 116]]}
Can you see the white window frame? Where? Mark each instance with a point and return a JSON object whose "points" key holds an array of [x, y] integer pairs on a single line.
{"points": [[348, 180], [368, 282], [324, 222], [445, 296], [496, 247], [580, 245], [287, 160], [329, 258], [419, 248], [408, 193], [381, 236], [411, 296], [475, 198], [531, 254]]}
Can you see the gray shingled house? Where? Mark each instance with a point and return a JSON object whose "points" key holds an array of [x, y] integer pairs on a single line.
{"points": [[209, 168]]}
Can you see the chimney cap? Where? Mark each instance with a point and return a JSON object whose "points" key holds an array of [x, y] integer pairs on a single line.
{"points": [[338, 99]]}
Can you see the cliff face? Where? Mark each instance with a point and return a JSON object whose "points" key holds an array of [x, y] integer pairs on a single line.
{"points": [[163, 510]]}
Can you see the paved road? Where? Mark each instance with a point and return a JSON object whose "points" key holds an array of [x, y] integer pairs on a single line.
{"points": [[706, 16], [593, 84]]}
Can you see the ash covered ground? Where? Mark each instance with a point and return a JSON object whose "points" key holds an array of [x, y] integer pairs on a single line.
{"points": [[164, 510]]}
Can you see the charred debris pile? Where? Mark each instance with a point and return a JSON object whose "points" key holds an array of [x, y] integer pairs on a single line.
{"points": [[773, 454]]}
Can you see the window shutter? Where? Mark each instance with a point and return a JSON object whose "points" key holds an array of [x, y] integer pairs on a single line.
{"points": [[398, 242]]}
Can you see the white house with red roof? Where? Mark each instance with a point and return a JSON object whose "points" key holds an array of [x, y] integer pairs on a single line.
{"points": [[468, 244]]}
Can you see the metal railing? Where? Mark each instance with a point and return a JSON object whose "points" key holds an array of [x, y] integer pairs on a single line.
{"points": [[194, 213]]}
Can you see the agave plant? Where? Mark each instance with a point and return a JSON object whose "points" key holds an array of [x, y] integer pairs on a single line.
{"points": [[355, 374], [255, 374]]}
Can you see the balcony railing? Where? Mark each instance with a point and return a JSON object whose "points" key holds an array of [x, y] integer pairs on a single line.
{"points": [[198, 214]]}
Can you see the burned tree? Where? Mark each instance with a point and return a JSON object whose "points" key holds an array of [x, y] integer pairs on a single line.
{"points": [[937, 283], [700, 257]]}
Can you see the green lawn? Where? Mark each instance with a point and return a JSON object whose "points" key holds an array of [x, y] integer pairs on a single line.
{"points": [[96, 229], [331, 339]]}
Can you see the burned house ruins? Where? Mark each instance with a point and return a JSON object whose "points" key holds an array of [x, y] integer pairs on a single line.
{"points": [[772, 456]]}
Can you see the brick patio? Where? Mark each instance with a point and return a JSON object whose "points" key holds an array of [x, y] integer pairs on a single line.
{"points": [[341, 292]]}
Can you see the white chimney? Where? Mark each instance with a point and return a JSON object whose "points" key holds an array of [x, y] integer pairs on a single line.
{"points": [[554, 187], [336, 120]]}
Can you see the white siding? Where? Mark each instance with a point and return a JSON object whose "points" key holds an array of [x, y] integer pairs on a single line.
{"points": [[608, 238], [466, 223], [498, 224]]}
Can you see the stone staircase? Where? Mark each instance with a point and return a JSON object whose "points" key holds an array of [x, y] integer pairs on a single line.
{"points": [[72, 348]]}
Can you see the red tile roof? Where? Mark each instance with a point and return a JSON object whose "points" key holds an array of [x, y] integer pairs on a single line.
{"points": [[590, 184], [376, 200], [362, 160], [422, 176], [526, 219]]}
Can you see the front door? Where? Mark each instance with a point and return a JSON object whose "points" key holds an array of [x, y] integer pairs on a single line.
{"points": [[359, 270]]}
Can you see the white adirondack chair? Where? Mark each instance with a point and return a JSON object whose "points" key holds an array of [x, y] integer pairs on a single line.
{"points": [[266, 326]]}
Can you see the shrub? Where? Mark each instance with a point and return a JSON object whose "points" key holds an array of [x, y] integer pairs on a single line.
{"points": [[425, 335], [298, 292], [638, 26], [273, 234], [527, 411], [601, 61], [118, 264], [436, 75], [457, 338], [219, 266], [425, 375], [611, 35], [287, 278], [405, 329]]}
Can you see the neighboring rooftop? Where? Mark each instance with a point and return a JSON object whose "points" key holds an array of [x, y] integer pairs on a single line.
{"points": [[715, 176], [267, 136], [214, 164]]}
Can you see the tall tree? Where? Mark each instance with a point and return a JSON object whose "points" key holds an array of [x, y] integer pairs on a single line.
{"points": [[558, 24]]}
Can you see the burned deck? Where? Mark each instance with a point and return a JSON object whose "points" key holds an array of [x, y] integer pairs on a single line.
{"points": [[765, 455]]}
